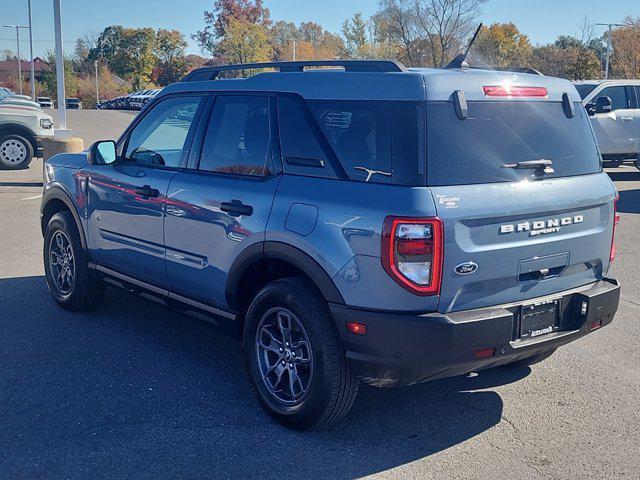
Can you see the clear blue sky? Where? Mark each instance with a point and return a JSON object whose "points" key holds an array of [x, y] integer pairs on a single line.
{"points": [[542, 20]]}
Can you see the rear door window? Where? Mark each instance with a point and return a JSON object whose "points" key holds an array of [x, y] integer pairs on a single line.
{"points": [[238, 138], [475, 150]]}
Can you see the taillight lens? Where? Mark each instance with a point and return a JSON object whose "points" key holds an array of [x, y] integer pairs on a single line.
{"points": [[412, 253], [616, 220], [513, 91]]}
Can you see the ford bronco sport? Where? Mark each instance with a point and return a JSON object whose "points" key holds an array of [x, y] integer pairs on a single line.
{"points": [[363, 223]]}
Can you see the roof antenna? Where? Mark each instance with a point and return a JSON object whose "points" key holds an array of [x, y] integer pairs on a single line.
{"points": [[460, 60]]}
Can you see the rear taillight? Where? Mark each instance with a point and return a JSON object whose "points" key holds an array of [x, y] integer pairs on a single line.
{"points": [[616, 220], [412, 253], [514, 91]]}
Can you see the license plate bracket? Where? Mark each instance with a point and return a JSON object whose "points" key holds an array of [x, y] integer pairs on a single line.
{"points": [[539, 318]]}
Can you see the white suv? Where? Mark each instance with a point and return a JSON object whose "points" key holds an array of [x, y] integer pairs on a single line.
{"points": [[22, 128], [614, 108]]}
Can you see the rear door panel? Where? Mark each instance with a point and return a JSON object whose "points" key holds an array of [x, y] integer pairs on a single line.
{"points": [[576, 253]]}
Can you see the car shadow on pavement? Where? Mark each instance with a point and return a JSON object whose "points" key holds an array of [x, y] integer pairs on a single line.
{"points": [[134, 390], [631, 175], [629, 200]]}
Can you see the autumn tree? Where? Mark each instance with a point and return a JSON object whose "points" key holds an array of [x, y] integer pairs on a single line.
{"points": [[430, 32], [501, 45], [625, 60], [572, 62], [312, 42]]}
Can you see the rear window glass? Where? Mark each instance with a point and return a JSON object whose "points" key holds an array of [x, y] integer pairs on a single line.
{"points": [[375, 142], [497, 133]]}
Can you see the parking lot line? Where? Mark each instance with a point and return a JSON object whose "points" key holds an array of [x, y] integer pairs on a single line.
{"points": [[32, 198]]}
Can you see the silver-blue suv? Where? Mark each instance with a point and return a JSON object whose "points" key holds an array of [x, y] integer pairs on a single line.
{"points": [[360, 222]]}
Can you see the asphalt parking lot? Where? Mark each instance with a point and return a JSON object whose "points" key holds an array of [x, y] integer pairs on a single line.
{"points": [[132, 390]]}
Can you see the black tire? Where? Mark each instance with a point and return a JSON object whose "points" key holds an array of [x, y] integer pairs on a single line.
{"points": [[331, 386], [16, 151], [532, 360], [84, 292]]}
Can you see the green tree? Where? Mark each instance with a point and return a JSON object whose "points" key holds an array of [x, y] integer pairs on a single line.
{"points": [[244, 43], [502, 45], [224, 13], [354, 31], [49, 83], [128, 52], [172, 63]]}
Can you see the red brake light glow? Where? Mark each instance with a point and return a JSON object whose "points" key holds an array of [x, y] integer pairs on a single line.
{"points": [[514, 91], [412, 253], [616, 220]]}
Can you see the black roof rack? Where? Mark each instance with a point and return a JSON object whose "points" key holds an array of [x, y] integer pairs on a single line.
{"points": [[211, 73]]}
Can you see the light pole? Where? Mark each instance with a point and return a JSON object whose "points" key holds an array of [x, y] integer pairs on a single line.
{"points": [[95, 65], [18, 27], [62, 131], [610, 25], [33, 81]]}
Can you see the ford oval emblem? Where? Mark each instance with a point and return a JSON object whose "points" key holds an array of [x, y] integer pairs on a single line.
{"points": [[466, 268]]}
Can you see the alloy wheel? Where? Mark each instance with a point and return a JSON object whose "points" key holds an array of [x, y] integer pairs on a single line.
{"points": [[62, 262], [284, 355]]}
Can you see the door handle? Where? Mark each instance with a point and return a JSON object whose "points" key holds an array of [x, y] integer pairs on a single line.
{"points": [[627, 119], [235, 208], [146, 191]]}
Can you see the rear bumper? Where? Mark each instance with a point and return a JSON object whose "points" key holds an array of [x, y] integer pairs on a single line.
{"points": [[401, 349]]}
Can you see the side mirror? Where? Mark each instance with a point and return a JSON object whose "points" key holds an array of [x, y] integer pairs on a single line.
{"points": [[590, 108], [103, 152], [603, 105]]}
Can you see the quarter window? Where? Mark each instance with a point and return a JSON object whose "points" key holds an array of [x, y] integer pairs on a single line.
{"points": [[159, 139], [238, 137], [300, 139], [360, 134]]}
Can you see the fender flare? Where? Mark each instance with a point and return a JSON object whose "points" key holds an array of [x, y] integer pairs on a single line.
{"points": [[23, 130], [285, 252], [55, 192]]}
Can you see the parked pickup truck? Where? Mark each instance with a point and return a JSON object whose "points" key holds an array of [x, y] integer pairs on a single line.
{"points": [[614, 108], [22, 127]]}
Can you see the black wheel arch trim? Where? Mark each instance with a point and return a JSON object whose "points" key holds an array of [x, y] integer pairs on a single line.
{"points": [[56, 192], [14, 128], [285, 252]]}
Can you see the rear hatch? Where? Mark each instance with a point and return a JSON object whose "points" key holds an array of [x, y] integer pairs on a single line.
{"points": [[511, 234]]}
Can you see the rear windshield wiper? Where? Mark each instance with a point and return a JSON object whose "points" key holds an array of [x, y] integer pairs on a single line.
{"points": [[540, 166]]}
